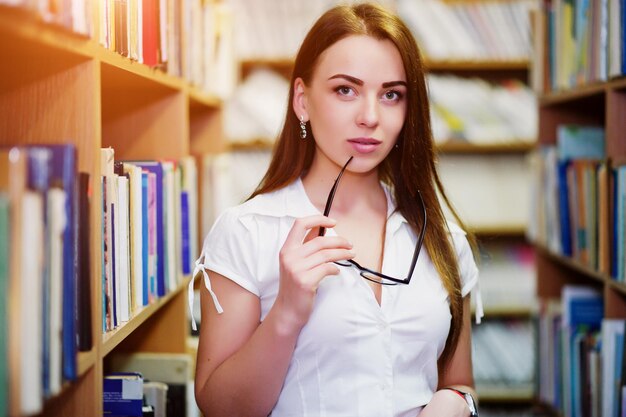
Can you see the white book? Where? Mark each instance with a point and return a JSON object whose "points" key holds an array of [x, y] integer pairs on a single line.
{"points": [[136, 234], [123, 260], [112, 190], [164, 30], [209, 42], [169, 219], [57, 222], [615, 38], [140, 31], [107, 160], [31, 343], [610, 388]]}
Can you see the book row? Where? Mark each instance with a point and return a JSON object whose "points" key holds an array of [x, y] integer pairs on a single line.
{"points": [[486, 30], [149, 228], [74, 15], [149, 241], [44, 273], [578, 208], [446, 31], [581, 356], [190, 39], [579, 42]]}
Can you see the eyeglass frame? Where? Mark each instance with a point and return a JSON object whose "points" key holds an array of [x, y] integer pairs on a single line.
{"points": [[363, 270]]}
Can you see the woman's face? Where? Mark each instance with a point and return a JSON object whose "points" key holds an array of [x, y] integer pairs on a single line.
{"points": [[356, 102]]}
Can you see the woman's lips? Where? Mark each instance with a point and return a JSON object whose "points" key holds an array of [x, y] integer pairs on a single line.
{"points": [[364, 145]]}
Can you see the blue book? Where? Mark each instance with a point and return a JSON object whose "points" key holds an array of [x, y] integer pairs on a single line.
{"points": [[122, 395], [618, 359], [580, 142], [157, 169], [613, 183], [564, 213], [185, 232], [63, 170], [144, 232]]}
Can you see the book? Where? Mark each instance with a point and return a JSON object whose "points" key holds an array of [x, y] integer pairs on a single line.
{"points": [[580, 142], [83, 286], [123, 394], [4, 313], [173, 369], [136, 234], [63, 171], [155, 394], [156, 169], [57, 222], [31, 257]]}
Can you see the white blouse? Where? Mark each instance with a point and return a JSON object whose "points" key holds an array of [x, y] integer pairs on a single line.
{"points": [[354, 357]]}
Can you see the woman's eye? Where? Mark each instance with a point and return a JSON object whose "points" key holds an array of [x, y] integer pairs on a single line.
{"points": [[344, 90], [392, 95]]}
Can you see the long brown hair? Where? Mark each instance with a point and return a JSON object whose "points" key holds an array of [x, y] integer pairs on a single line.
{"points": [[407, 168]]}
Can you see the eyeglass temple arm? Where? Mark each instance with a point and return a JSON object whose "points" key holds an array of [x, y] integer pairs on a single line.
{"points": [[331, 196], [420, 238]]}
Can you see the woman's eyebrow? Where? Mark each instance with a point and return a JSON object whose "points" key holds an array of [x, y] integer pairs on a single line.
{"points": [[348, 78], [358, 82], [394, 83]]}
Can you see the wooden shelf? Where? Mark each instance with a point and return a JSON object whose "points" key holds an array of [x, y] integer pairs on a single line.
{"points": [[510, 311], [477, 65], [112, 339], [505, 230], [582, 92], [284, 65], [448, 147], [573, 264], [460, 147], [505, 394]]}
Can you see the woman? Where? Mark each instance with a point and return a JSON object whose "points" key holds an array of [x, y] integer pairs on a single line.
{"points": [[292, 328]]}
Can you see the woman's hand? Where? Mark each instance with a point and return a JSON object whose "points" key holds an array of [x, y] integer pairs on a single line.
{"points": [[305, 259], [446, 403]]}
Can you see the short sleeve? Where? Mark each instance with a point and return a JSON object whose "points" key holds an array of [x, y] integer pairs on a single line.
{"points": [[229, 250], [469, 273], [467, 265]]}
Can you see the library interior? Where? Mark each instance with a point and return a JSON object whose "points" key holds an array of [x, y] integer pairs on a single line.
{"points": [[127, 127]]}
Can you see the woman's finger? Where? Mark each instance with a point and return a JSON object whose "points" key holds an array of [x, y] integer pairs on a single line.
{"points": [[325, 242], [327, 256], [302, 225]]}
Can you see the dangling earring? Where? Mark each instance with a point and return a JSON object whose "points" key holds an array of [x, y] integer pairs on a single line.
{"points": [[302, 127]]}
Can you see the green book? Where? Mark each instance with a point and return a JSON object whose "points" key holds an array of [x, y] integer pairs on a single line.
{"points": [[4, 290]]}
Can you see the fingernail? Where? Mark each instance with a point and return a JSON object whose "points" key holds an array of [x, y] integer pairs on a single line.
{"points": [[352, 253]]}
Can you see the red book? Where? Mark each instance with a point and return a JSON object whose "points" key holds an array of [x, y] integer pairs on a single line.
{"points": [[150, 32]]}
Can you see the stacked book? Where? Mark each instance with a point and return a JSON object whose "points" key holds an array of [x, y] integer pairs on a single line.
{"points": [[149, 229]]}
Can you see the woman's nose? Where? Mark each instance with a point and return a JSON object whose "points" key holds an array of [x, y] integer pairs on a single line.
{"points": [[368, 113]]}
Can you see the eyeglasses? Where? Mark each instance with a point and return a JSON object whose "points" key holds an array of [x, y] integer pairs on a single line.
{"points": [[370, 275]]}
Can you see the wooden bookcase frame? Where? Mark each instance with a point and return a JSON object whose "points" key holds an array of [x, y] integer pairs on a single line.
{"points": [[56, 86]]}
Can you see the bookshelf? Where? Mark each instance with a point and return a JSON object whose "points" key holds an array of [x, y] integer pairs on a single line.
{"points": [[589, 91], [58, 86], [599, 104]]}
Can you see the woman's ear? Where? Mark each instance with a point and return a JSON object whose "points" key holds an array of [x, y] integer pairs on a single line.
{"points": [[299, 99]]}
